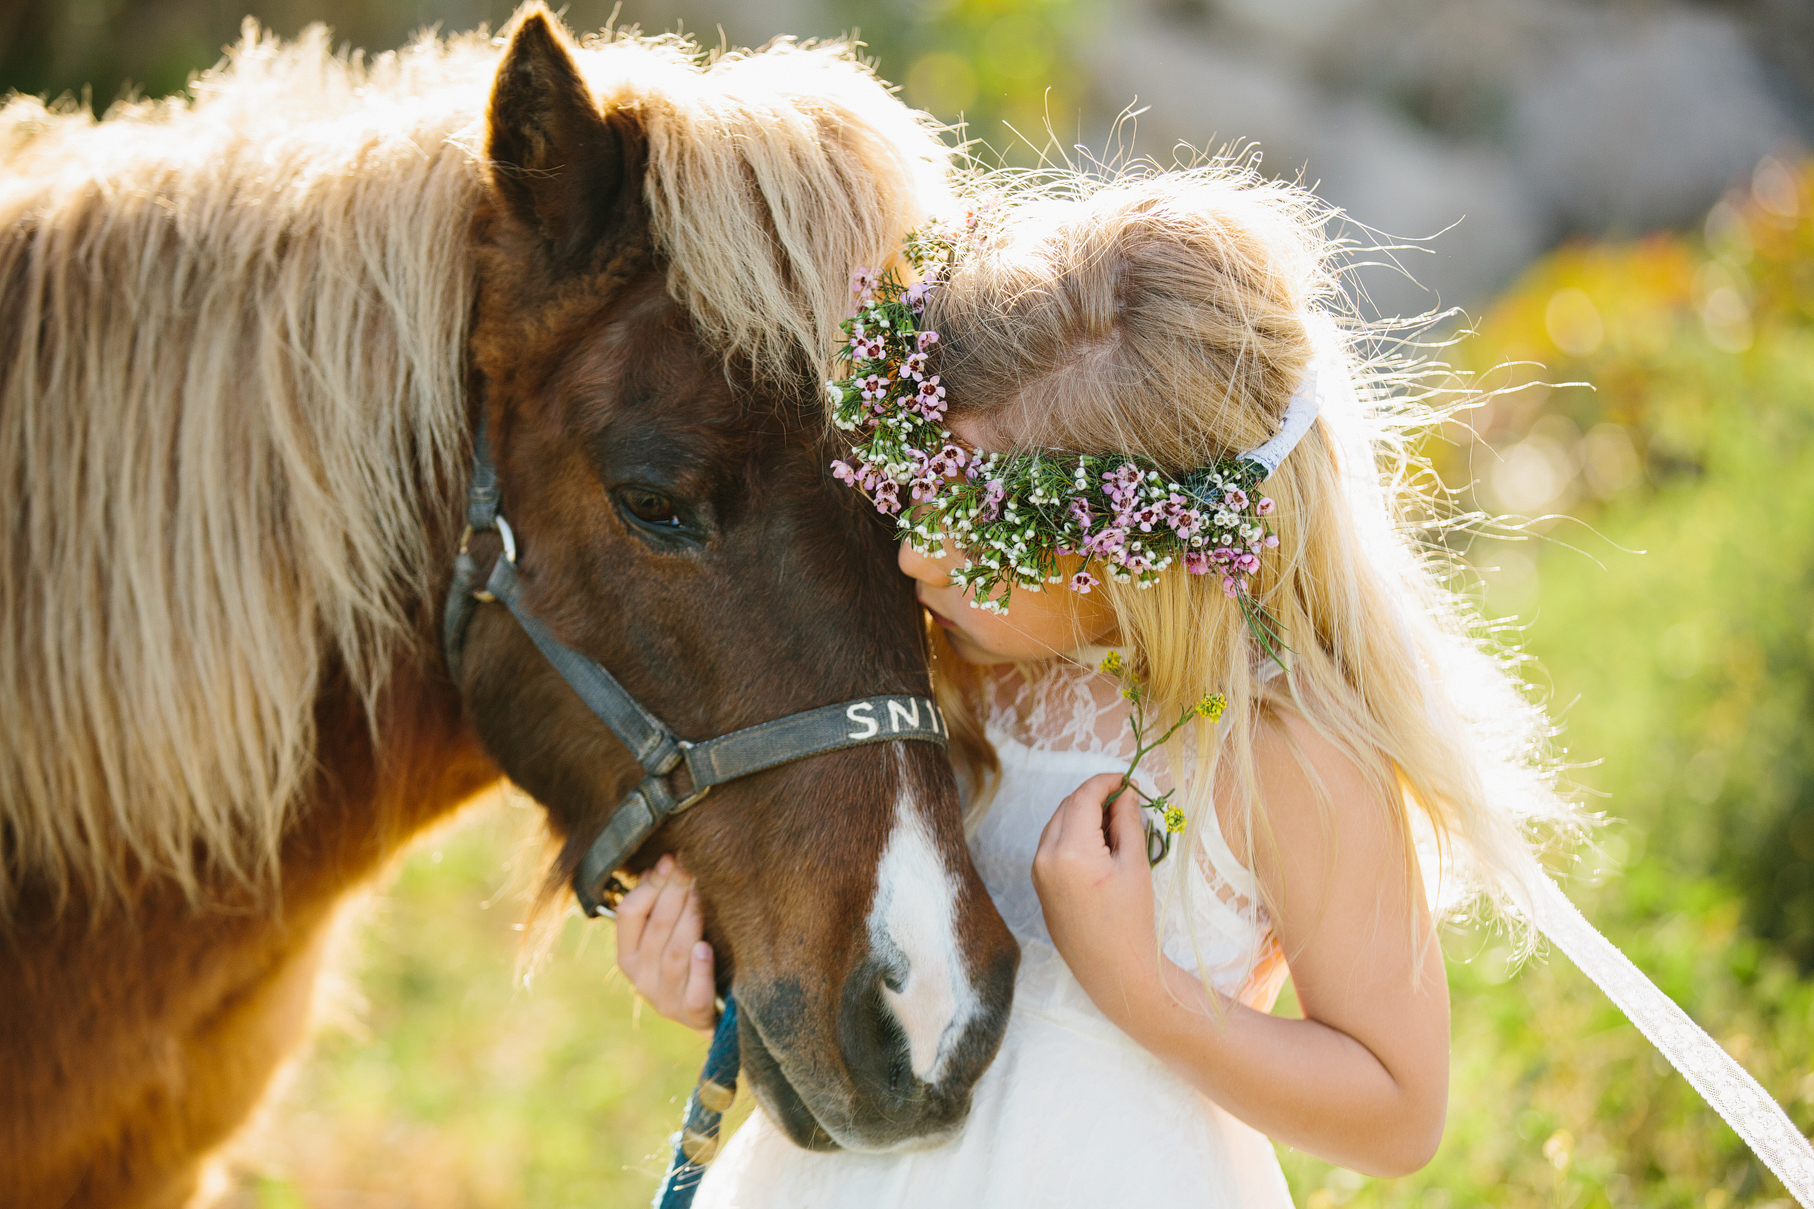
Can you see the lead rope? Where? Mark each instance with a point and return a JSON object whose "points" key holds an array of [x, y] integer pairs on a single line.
{"points": [[697, 1143], [1709, 1069]]}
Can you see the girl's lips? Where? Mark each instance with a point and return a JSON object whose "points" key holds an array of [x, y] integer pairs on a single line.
{"points": [[939, 617]]}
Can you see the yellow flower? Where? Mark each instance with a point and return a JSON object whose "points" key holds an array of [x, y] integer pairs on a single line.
{"points": [[1211, 707], [1113, 664], [1174, 819]]}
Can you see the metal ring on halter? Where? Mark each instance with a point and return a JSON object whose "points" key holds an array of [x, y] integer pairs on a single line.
{"points": [[697, 793], [610, 893], [505, 532]]}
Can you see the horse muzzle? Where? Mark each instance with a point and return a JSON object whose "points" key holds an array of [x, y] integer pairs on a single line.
{"points": [[898, 1076]]}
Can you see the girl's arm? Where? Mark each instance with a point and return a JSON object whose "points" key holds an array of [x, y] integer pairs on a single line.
{"points": [[1362, 1079]]}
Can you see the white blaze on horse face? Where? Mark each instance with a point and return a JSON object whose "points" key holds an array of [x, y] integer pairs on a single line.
{"points": [[914, 918]]}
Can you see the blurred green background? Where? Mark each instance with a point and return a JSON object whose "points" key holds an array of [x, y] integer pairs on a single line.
{"points": [[1654, 362]]}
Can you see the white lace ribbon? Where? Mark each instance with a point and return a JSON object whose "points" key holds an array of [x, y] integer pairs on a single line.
{"points": [[1722, 1082]]}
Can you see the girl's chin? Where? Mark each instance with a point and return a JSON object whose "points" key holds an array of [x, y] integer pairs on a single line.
{"points": [[967, 648], [969, 652], [963, 646]]}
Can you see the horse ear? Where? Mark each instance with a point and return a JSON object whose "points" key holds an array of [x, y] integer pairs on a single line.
{"points": [[556, 162]]}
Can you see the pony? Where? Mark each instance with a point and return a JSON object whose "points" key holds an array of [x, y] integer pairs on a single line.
{"points": [[247, 337]]}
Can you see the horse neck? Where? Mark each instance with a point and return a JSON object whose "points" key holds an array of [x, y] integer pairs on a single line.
{"points": [[387, 771]]}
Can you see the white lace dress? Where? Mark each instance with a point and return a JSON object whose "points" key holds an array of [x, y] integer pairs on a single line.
{"points": [[1072, 1112]]}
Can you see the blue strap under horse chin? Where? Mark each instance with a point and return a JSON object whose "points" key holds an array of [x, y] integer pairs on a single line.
{"points": [[697, 1143], [676, 773]]}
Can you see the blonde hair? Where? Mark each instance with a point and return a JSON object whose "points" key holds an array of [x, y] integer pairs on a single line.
{"points": [[1174, 314], [232, 352]]}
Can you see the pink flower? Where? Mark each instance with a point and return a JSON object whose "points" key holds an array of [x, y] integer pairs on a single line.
{"points": [[946, 462], [1080, 512], [875, 386], [1264, 507], [1247, 563], [931, 398], [887, 497], [925, 340], [1272, 541], [917, 293], [1109, 542], [862, 281], [1147, 517], [1083, 581], [1234, 498], [1181, 517], [1229, 586], [862, 348], [993, 494], [1223, 556], [844, 472], [916, 365], [1120, 484], [1196, 562]]}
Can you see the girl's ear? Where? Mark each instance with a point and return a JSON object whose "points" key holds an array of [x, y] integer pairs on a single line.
{"points": [[558, 164]]}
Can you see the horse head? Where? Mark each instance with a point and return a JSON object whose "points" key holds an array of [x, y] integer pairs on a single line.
{"points": [[675, 522]]}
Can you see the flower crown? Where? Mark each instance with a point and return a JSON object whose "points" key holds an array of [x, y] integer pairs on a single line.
{"points": [[1014, 516]]}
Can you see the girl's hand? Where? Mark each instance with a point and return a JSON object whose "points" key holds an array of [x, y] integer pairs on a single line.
{"points": [[660, 950], [1096, 888]]}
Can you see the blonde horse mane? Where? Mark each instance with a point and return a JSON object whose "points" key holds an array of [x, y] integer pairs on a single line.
{"points": [[232, 348]]}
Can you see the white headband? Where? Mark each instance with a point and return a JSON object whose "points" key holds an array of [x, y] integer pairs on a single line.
{"points": [[1306, 402]]}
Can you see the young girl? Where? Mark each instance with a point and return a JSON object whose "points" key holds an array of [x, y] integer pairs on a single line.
{"points": [[1371, 767]]}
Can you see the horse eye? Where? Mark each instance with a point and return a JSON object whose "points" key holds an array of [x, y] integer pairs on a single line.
{"points": [[651, 508]]}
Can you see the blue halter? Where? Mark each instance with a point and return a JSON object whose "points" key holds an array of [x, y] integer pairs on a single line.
{"points": [[697, 1142]]}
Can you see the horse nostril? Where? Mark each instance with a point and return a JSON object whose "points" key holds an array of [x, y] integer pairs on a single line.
{"points": [[870, 1034]]}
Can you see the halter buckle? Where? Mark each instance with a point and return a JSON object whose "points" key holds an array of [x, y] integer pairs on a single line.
{"points": [[509, 539]]}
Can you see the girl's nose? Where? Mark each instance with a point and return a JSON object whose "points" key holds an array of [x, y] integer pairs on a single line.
{"points": [[928, 571]]}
